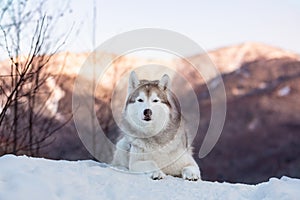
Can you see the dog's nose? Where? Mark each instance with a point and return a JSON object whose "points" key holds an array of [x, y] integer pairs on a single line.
{"points": [[147, 112]]}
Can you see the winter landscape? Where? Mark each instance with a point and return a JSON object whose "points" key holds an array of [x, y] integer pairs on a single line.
{"points": [[43, 155]]}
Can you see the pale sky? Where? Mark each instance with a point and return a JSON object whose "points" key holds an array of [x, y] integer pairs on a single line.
{"points": [[212, 24]]}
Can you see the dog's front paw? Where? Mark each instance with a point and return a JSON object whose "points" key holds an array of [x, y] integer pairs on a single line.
{"points": [[191, 173], [157, 175]]}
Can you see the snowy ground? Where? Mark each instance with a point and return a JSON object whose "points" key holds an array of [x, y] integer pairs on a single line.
{"points": [[35, 179]]}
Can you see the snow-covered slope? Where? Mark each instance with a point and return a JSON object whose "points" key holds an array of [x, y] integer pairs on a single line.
{"points": [[35, 178]]}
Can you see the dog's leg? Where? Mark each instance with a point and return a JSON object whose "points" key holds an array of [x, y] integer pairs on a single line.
{"points": [[191, 171], [148, 166], [121, 155]]}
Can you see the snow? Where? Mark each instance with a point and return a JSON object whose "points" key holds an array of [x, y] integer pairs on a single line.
{"points": [[53, 100], [284, 91], [36, 178]]}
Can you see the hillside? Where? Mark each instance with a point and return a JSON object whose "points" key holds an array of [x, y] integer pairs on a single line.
{"points": [[260, 137], [229, 59], [36, 178]]}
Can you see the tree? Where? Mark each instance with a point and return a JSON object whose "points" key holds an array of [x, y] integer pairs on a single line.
{"points": [[25, 125]]}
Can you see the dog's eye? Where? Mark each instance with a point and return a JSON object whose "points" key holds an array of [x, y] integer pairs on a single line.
{"points": [[155, 100], [140, 100]]}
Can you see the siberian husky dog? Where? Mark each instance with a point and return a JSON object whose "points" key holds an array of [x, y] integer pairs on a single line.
{"points": [[155, 140]]}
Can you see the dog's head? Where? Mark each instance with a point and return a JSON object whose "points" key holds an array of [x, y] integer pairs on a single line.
{"points": [[150, 105]]}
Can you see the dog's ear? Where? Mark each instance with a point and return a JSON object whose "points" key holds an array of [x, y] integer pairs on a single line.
{"points": [[133, 82], [165, 82]]}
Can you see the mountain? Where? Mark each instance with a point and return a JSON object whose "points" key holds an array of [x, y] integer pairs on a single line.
{"points": [[260, 137], [229, 59]]}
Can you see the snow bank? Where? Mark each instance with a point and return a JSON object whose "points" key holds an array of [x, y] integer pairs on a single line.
{"points": [[36, 178]]}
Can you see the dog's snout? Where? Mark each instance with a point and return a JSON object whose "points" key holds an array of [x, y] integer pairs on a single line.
{"points": [[147, 112]]}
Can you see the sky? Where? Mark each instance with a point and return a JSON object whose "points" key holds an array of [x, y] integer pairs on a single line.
{"points": [[211, 24]]}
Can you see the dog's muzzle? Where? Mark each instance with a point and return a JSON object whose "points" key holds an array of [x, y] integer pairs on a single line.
{"points": [[147, 114]]}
